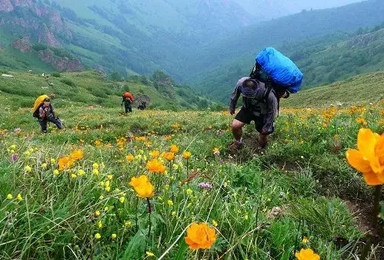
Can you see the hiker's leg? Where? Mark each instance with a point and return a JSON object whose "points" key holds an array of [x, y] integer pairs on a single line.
{"points": [[237, 129], [43, 124], [263, 140], [57, 122]]}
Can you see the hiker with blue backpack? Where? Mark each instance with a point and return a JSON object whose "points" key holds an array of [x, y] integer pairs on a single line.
{"points": [[274, 76]]}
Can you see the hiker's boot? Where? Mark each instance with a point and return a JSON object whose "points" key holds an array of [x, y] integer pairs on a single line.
{"points": [[235, 146]]}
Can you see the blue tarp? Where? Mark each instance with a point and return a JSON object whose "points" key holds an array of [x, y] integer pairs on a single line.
{"points": [[280, 68]]}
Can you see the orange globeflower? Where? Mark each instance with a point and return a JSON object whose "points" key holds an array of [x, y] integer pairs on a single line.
{"points": [[369, 158], [200, 236], [169, 156], [174, 149], [155, 166], [154, 153], [65, 163], [76, 155], [187, 155], [129, 157], [307, 254], [142, 186]]}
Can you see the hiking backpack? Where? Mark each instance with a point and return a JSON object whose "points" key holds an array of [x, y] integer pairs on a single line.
{"points": [[36, 113], [277, 70]]}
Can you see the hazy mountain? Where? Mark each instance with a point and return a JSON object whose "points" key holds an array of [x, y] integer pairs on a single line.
{"points": [[269, 9], [190, 40]]}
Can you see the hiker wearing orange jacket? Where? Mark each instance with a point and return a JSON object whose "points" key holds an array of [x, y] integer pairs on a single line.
{"points": [[127, 101]]}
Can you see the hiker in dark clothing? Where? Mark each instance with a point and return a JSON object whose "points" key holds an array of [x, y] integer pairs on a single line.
{"points": [[46, 113], [260, 104], [142, 106], [127, 101], [127, 104]]}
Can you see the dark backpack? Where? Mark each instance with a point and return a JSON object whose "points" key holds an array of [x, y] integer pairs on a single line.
{"points": [[36, 113]]}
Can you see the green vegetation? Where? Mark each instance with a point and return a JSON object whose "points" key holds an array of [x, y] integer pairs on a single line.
{"points": [[91, 88], [262, 205], [362, 89]]}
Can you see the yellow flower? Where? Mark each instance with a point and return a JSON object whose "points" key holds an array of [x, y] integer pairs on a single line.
{"points": [[214, 223], [73, 176], [189, 191], [44, 166], [129, 157], [187, 155], [174, 149], [369, 158], [113, 236], [80, 172], [128, 224], [122, 199], [154, 153], [19, 197], [307, 254], [56, 172], [216, 151], [142, 186], [149, 254], [200, 236], [110, 177], [97, 236], [97, 143], [9, 196], [169, 156], [99, 224], [53, 160], [65, 163], [305, 240], [95, 172], [170, 203], [108, 188], [97, 213], [27, 168], [173, 213], [155, 166], [76, 155]]}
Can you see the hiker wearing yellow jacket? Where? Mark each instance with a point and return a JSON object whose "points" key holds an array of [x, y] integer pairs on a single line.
{"points": [[44, 112]]}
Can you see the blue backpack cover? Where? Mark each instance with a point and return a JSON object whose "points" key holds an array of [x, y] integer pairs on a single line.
{"points": [[280, 69]]}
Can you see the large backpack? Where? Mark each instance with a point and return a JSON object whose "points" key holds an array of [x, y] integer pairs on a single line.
{"points": [[278, 70], [38, 102]]}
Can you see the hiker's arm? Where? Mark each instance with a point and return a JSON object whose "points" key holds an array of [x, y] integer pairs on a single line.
{"points": [[233, 101], [269, 118], [42, 112], [286, 94]]}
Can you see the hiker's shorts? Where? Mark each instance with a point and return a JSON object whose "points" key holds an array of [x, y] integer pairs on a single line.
{"points": [[245, 116]]}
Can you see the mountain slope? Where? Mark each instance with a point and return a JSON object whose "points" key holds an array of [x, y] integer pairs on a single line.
{"points": [[362, 89], [89, 88], [323, 60]]}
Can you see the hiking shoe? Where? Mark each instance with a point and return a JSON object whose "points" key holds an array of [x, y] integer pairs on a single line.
{"points": [[236, 145]]}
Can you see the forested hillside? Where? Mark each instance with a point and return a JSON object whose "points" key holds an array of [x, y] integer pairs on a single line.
{"points": [[322, 60]]}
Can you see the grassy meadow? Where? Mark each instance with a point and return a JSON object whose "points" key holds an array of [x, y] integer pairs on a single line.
{"points": [[71, 194], [67, 194]]}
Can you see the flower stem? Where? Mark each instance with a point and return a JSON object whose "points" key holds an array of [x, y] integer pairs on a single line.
{"points": [[376, 210], [149, 217]]}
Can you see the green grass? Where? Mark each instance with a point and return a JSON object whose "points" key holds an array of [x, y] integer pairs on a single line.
{"points": [[86, 88], [303, 171], [303, 174], [362, 89]]}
